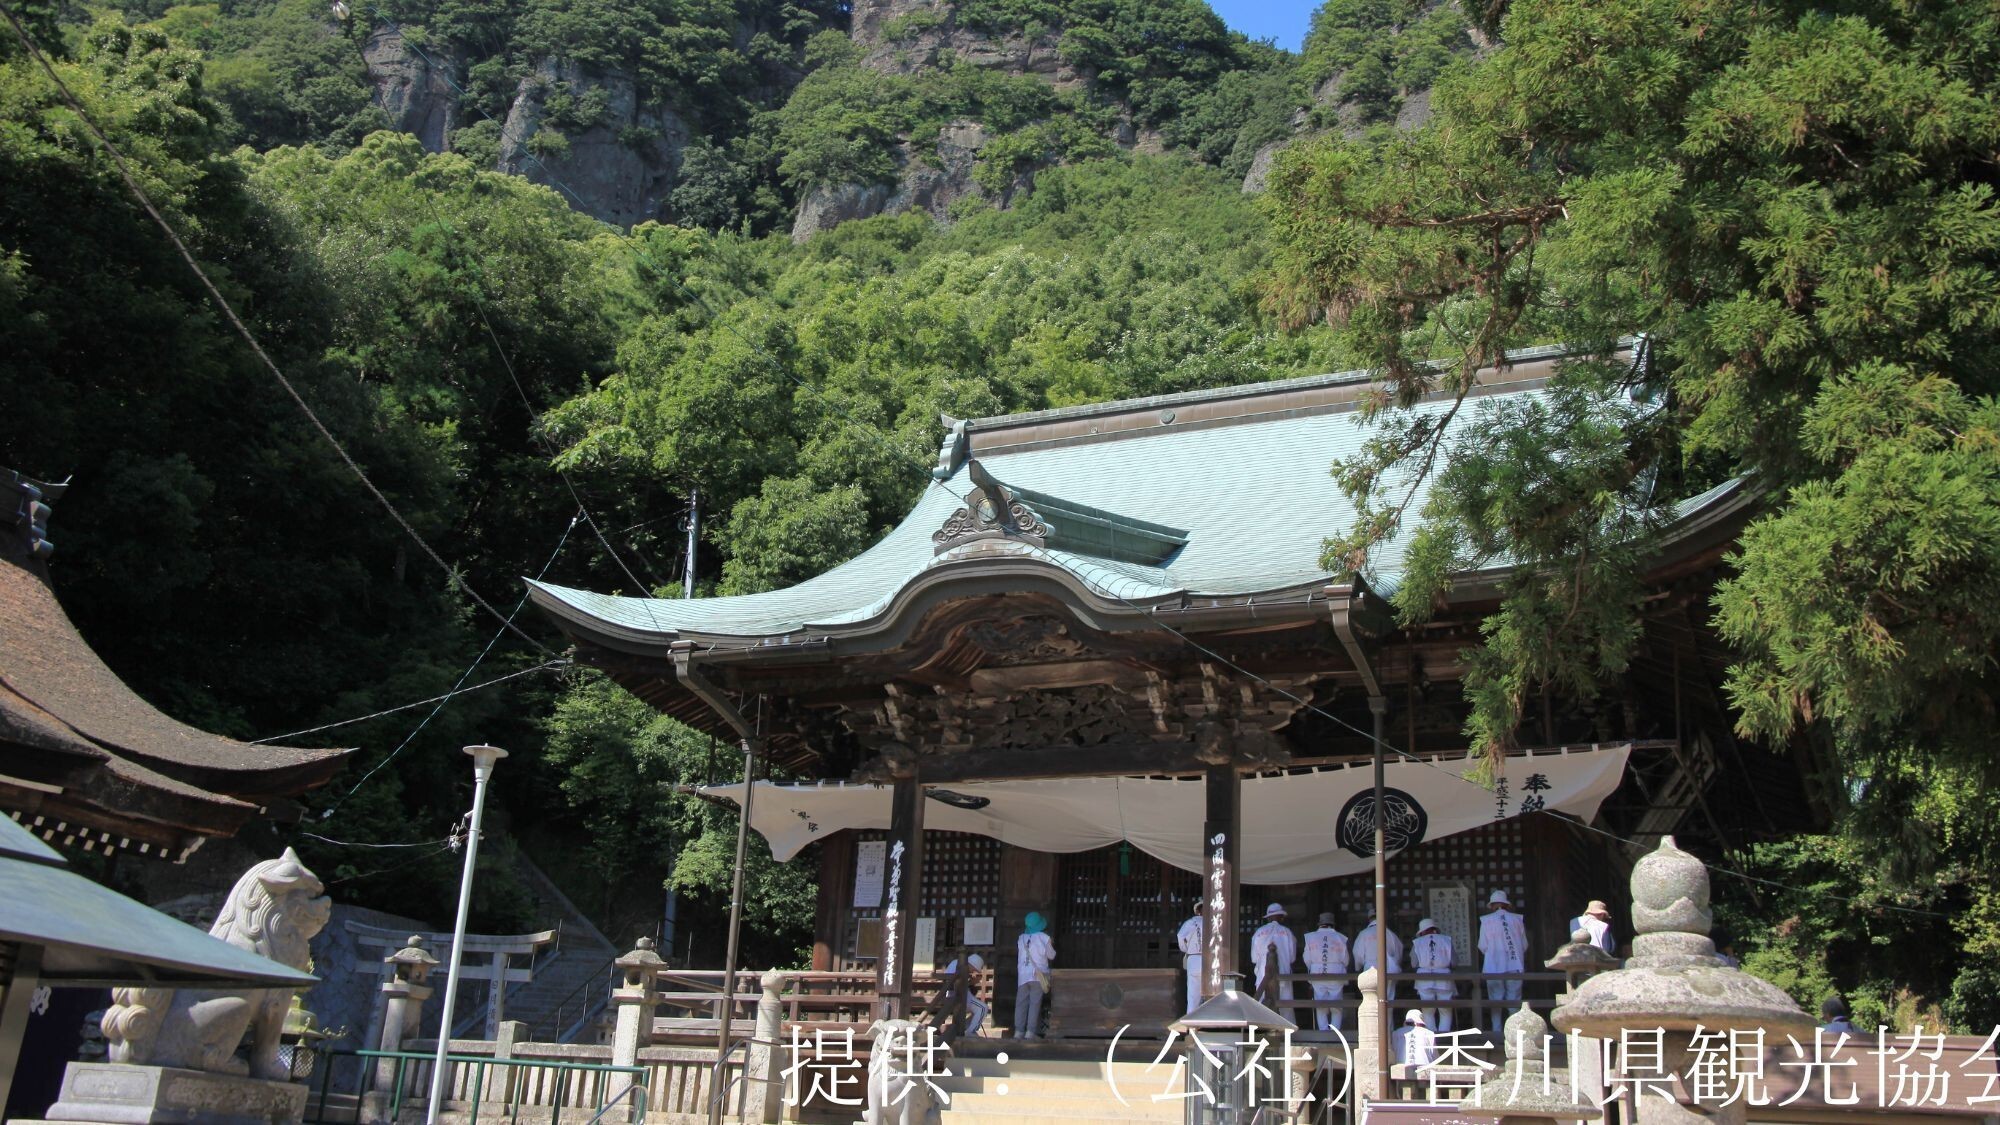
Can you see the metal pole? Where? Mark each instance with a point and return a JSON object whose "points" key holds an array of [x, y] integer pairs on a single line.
{"points": [[669, 919], [1379, 705], [483, 758], [727, 1011], [694, 525]]}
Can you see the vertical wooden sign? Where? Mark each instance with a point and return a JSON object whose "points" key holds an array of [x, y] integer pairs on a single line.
{"points": [[1220, 892]]}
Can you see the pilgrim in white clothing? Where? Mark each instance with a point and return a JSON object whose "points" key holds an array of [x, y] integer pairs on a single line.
{"points": [[1190, 940], [1326, 952], [1596, 921], [1431, 953], [1365, 952], [1274, 941], [1503, 939]]}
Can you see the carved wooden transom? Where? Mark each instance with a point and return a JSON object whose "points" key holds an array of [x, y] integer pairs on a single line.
{"points": [[1222, 717]]}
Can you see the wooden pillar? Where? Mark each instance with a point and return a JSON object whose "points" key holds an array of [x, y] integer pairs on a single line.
{"points": [[836, 892], [902, 899], [1221, 894]]}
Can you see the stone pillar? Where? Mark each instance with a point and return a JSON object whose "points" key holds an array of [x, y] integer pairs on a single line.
{"points": [[1369, 1049], [496, 996], [1221, 892], [903, 898], [405, 987], [633, 1025], [1675, 982], [764, 1082], [501, 1080], [1580, 960], [1524, 1091]]}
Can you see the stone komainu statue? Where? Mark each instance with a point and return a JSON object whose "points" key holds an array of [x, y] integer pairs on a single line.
{"points": [[273, 911]]}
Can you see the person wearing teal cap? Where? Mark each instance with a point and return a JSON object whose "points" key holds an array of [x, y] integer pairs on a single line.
{"points": [[1036, 953]]}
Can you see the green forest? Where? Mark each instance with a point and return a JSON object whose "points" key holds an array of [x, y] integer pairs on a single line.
{"points": [[1794, 202]]}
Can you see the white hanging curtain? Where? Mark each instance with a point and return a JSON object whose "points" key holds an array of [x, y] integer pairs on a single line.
{"points": [[1296, 828]]}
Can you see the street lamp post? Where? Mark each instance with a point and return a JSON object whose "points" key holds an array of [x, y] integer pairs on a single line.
{"points": [[483, 758]]}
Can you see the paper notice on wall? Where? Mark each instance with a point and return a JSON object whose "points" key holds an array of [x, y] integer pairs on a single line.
{"points": [[871, 857], [923, 946], [979, 931]]}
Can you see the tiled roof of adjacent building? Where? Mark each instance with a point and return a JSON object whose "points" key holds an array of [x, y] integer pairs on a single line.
{"points": [[82, 757]]}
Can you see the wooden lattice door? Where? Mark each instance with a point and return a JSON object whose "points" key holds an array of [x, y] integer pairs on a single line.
{"points": [[1119, 909]]}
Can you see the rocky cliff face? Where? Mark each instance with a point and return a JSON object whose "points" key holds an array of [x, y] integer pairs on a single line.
{"points": [[904, 36], [928, 185], [1410, 116], [907, 36], [618, 163], [417, 95]]}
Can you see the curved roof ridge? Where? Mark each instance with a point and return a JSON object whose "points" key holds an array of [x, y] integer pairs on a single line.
{"points": [[1357, 375]]}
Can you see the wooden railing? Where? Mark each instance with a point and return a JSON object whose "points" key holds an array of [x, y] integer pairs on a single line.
{"points": [[1538, 989], [688, 999]]}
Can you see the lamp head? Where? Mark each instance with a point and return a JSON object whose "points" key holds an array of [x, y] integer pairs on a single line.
{"points": [[483, 758]]}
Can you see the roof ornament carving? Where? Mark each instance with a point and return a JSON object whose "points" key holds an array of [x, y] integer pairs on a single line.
{"points": [[951, 453], [995, 510], [991, 512], [31, 510]]}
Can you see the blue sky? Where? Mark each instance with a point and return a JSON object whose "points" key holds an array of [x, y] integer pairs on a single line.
{"points": [[1282, 20]]}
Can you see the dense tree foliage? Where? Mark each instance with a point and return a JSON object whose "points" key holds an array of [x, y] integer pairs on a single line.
{"points": [[1798, 206], [1794, 204], [469, 337]]}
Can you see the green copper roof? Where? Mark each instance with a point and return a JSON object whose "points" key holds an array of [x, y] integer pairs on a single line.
{"points": [[1240, 475]]}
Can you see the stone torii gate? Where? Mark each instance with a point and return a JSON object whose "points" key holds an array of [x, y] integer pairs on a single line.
{"points": [[497, 966]]}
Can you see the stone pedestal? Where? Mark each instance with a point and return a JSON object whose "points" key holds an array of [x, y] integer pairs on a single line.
{"points": [[129, 1094], [764, 1089], [1368, 1045], [633, 1026]]}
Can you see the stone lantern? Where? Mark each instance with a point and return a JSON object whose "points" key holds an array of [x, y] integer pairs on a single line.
{"points": [[1580, 960], [1228, 1083], [1674, 982], [634, 1000], [1526, 1091], [405, 987]]}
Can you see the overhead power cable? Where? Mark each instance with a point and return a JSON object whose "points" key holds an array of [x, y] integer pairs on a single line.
{"points": [[507, 622], [544, 666], [447, 697], [534, 434], [819, 393], [229, 312]]}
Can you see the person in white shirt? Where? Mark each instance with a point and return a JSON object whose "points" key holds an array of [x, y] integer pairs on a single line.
{"points": [[1365, 952], [1596, 921], [1431, 953], [1326, 952], [1503, 938], [1413, 1042], [1274, 937], [1190, 940], [1036, 952], [975, 1008]]}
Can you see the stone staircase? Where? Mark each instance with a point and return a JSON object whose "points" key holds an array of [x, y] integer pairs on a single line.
{"points": [[1045, 1091], [566, 987]]}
